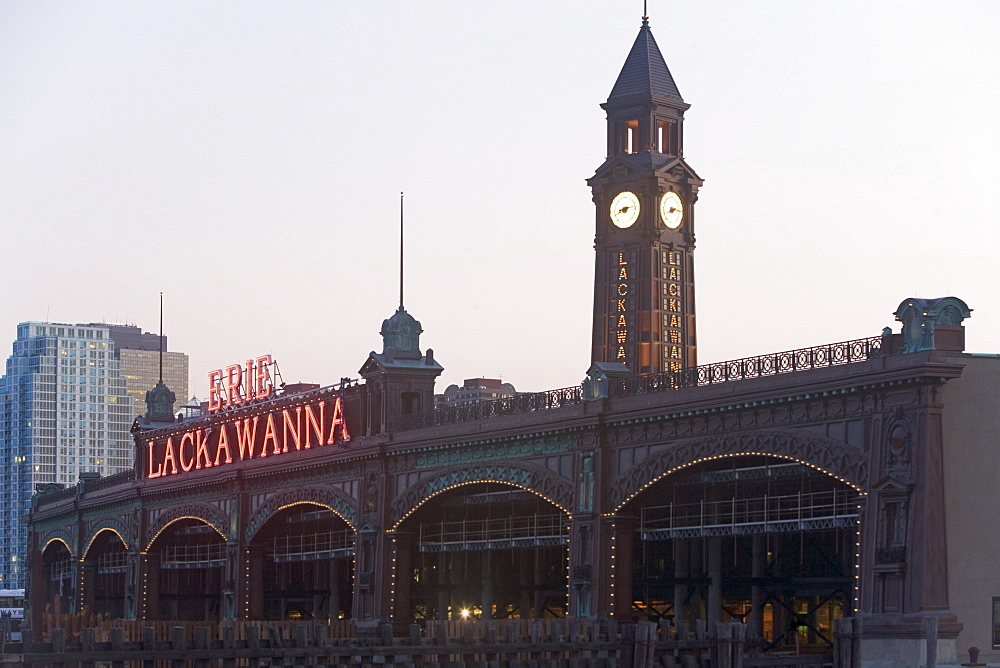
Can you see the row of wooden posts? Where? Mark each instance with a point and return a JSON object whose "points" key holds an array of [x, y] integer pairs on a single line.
{"points": [[553, 643]]}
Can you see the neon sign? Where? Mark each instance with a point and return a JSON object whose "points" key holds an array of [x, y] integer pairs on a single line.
{"points": [[289, 428], [240, 384]]}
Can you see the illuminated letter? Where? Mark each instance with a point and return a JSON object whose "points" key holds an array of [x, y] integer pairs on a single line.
{"points": [[246, 438], [674, 290], [234, 379], [224, 444], [621, 305], [286, 428], [674, 304], [674, 275], [317, 426], [270, 433], [621, 352], [186, 466], [675, 336], [149, 462], [675, 321], [338, 428], [621, 321], [673, 258], [675, 352], [621, 335], [623, 274], [621, 258], [264, 385], [201, 448], [168, 455], [214, 378]]}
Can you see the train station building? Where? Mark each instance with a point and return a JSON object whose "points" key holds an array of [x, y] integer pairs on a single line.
{"points": [[785, 490]]}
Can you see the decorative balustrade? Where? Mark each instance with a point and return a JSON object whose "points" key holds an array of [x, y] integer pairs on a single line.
{"points": [[832, 354]]}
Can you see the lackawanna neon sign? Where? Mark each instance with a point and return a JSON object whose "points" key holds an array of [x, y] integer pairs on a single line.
{"points": [[294, 427]]}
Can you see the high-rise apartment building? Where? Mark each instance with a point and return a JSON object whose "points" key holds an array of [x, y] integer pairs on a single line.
{"points": [[138, 354], [64, 410]]}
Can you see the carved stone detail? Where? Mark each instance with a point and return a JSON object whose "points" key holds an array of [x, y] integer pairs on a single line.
{"points": [[203, 511], [333, 499], [537, 479], [831, 456], [761, 417]]}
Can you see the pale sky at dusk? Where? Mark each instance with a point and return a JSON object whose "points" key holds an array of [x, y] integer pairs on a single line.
{"points": [[246, 158]]}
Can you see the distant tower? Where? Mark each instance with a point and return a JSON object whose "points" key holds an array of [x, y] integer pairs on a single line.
{"points": [[645, 194]]}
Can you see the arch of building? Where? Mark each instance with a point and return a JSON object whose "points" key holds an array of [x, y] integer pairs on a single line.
{"points": [[484, 549], [333, 499], [57, 535], [844, 462], [552, 487], [114, 526], [202, 512]]}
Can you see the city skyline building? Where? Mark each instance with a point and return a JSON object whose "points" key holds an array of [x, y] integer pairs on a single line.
{"points": [[64, 410], [474, 391], [138, 353]]}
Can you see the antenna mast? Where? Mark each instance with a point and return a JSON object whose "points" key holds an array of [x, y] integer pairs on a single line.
{"points": [[161, 338], [401, 250]]}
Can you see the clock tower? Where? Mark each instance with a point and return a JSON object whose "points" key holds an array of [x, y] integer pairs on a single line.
{"points": [[645, 194]]}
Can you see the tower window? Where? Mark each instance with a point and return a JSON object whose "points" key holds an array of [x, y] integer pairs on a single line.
{"points": [[666, 137], [628, 136]]}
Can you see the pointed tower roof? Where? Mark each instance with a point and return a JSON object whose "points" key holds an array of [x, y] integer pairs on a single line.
{"points": [[645, 72]]}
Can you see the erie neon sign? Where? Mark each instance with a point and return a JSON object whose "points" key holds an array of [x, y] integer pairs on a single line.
{"points": [[318, 423], [239, 384]]}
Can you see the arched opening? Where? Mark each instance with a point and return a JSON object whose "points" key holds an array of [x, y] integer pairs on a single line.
{"points": [[57, 570], [759, 539], [484, 550], [305, 555], [106, 566], [188, 563]]}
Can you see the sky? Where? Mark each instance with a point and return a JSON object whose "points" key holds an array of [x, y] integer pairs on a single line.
{"points": [[246, 159]]}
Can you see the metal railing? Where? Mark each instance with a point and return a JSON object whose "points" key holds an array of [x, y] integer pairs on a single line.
{"points": [[493, 533], [832, 354], [206, 555], [804, 511], [310, 546]]}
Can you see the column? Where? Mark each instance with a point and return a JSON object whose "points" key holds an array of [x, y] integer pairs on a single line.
{"points": [[757, 564], [621, 566], [404, 576], [714, 611], [682, 574]]}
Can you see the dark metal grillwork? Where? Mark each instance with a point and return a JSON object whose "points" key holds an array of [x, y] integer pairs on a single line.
{"points": [[803, 359]]}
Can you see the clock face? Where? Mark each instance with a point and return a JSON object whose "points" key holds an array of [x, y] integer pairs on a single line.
{"points": [[625, 209], [671, 210]]}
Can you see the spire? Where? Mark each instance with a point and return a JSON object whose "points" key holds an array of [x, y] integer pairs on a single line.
{"points": [[160, 400], [401, 251], [645, 72]]}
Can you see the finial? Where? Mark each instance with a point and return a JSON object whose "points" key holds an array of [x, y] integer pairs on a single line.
{"points": [[645, 14], [400, 250]]}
